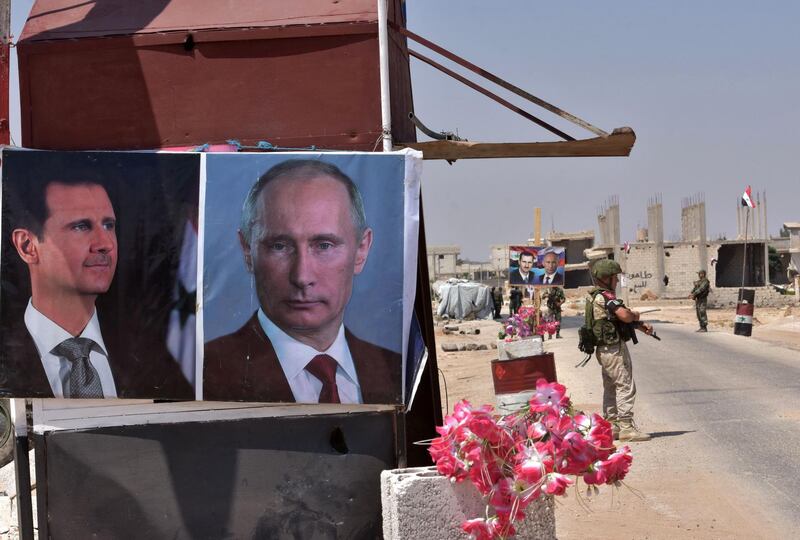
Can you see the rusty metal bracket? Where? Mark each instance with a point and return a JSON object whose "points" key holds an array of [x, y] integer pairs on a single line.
{"points": [[439, 136]]}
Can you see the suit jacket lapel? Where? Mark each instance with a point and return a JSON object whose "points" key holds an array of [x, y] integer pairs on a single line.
{"points": [[376, 369], [23, 374], [264, 374]]}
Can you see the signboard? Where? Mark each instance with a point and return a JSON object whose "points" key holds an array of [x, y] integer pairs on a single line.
{"points": [[536, 266], [220, 276]]}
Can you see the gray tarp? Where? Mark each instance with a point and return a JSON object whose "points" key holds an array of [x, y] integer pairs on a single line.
{"points": [[460, 299]]}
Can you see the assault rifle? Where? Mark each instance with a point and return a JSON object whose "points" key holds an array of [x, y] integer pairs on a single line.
{"points": [[630, 330], [586, 342]]}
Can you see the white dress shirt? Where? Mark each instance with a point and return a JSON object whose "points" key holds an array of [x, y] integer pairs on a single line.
{"points": [[547, 279], [294, 356], [47, 335]]}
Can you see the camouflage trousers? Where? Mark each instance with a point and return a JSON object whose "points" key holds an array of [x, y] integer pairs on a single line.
{"points": [[700, 305], [557, 316], [619, 389]]}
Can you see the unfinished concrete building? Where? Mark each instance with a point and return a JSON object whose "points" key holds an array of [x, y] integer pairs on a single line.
{"points": [[730, 264], [575, 244], [442, 262]]}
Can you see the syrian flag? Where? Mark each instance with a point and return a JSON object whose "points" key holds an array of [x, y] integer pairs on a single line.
{"points": [[747, 198]]}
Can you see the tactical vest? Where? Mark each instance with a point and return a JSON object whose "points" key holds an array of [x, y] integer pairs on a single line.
{"points": [[605, 331]]}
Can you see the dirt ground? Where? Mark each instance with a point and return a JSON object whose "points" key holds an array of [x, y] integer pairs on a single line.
{"points": [[664, 497]]}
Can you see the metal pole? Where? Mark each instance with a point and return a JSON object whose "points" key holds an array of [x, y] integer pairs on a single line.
{"points": [[744, 251], [383, 47], [5, 62], [766, 240], [22, 466]]}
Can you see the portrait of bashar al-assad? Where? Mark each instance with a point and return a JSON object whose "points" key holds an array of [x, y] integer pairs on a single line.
{"points": [[304, 238], [63, 300]]}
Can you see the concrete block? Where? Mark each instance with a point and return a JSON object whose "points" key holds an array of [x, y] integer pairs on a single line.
{"points": [[420, 504], [509, 350]]}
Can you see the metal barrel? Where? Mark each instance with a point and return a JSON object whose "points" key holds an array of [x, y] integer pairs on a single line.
{"points": [[743, 323]]}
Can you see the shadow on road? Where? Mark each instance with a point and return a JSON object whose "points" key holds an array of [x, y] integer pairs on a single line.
{"points": [[659, 434]]}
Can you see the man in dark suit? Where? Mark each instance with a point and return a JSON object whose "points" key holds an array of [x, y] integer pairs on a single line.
{"points": [[65, 232], [304, 237], [522, 275], [551, 275]]}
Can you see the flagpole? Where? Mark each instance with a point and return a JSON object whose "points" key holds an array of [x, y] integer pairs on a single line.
{"points": [[744, 252]]}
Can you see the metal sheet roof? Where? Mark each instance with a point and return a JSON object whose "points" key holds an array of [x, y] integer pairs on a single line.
{"points": [[70, 19]]}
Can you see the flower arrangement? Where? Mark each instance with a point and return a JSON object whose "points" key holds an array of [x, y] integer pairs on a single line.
{"points": [[520, 325], [549, 327], [515, 459]]}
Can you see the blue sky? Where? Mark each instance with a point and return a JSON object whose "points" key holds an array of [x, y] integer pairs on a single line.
{"points": [[711, 89]]}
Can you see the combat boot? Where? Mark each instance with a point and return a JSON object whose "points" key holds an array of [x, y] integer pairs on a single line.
{"points": [[629, 432], [614, 426]]}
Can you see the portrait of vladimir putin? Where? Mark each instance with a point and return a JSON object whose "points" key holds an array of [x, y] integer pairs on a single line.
{"points": [[303, 237]]}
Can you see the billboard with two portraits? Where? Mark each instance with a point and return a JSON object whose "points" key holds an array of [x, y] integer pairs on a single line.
{"points": [[240, 277], [536, 266]]}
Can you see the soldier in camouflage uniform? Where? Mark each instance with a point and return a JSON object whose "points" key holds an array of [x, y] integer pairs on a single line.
{"points": [[607, 316], [700, 296], [554, 298]]}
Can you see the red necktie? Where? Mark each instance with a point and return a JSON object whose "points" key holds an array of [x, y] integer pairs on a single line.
{"points": [[323, 367]]}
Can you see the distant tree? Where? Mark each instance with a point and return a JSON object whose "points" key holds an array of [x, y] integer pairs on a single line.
{"points": [[784, 232]]}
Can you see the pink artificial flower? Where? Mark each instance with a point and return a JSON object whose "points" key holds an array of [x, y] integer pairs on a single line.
{"points": [[530, 465], [549, 395], [619, 463], [611, 470], [536, 430], [508, 500], [481, 529], [557, 484], [484, 475], [557, 425], [577, 454]]}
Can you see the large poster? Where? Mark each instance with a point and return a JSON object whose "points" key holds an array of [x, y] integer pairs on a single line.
{"points": [[243, 277], [536, 266], [306, 267], [96, 298]]}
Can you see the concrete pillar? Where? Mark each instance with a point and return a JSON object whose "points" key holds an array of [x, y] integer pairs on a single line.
{"points": [[702, 251], [655, 226], [766, 239]]}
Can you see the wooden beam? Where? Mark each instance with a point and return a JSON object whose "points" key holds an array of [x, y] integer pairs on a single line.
{"points": [[618, 144]]}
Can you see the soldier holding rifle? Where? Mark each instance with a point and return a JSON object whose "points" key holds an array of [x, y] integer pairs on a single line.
{"points": [[612, 324], [700, 296]]}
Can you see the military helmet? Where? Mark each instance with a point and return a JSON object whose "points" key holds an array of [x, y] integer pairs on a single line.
{"points": [[605, 268], [701, 271]]}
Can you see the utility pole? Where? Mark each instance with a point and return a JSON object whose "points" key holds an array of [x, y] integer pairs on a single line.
{"points": [[5, 62]]}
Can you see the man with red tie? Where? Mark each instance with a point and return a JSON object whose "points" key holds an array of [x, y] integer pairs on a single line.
{"points": [[304, 237], [551, 275]]}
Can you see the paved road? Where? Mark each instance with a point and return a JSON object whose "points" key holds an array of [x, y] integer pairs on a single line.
{"points": [[736, 398]]}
